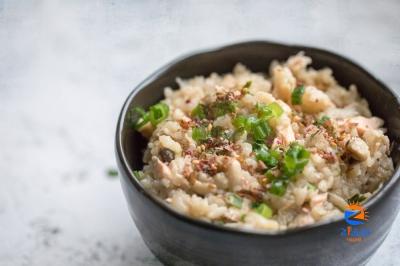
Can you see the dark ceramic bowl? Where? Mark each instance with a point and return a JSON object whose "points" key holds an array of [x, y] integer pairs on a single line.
{"points": [[179, 240]]}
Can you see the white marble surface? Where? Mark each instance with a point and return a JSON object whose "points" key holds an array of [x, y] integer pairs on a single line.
{"points": [[65, 70]]}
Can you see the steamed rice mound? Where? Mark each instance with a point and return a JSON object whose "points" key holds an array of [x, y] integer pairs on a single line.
{"points": [[219, 177]]}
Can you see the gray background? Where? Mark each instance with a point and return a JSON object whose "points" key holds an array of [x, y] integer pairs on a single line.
{"points": [[65, 70]]}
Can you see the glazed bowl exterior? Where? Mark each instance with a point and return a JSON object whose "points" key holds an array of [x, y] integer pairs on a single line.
{"points": [[179, 240]]}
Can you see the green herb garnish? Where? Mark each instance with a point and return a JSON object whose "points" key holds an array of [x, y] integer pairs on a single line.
{"points": [[238, 134], [264, 210], [246, 87], [269, 157], [200, 134], [296, 158], [356, 198], [112, 172], [138, 117], [260, 130], [245, 122], [257, 127], [221, 108], [270, 174], [297, 95], [199, 111], [321, 121], [138, 175], [235, 200], [239, 121], [276, 109], [269, 111], [278, 187], [158, 113], [217, 132], [294, 161], [311, 187]]}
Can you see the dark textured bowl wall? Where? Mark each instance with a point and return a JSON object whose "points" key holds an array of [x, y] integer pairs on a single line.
{"points": [[178, 239]]}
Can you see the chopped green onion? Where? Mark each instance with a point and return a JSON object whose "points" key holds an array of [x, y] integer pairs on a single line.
{"points": [[270, 175], [235, 200], [356, 198], [138, 175], [200, 134], [246, 87], [217, 132], [250, 122], [199, 111], [221, 108], [296, 158], [257, 127], [276, 109], [138, 117], [269, 111], [260, 130], [157, 113], [321, 121], [243, 218], [220, 132], [227, 134], [311, 187], [269, 157], [278, 187], [245, 122], [297, 95], [264, 111], [237, 135], [112, 172], [264, 210], [239, 122], [294, 161]]}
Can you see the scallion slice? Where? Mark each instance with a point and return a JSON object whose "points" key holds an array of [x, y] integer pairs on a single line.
{"points": [[221, 108], [157, 113], [246, 87], [321, 121], [276, 109], [269, 111], [248, 84], [217, 132], [199, 111], [356, 198], [200, 134], [138, 175], [138, 117], [311, 187], [260, 130], [235, 200], [278, 187], [297, 95], [269, 157], [296, 158], [264, 210]]}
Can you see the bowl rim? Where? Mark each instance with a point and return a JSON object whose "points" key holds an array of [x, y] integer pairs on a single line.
{"points": [[123, 162]]}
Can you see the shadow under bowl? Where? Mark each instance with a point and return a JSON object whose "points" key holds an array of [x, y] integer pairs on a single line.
{"points": [[179, 240]]}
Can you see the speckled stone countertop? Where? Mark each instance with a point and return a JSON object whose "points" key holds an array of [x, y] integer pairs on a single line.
{"points": [[65, 70]]}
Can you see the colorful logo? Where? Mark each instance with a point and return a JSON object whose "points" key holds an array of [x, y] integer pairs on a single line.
{"points": [[355, 216]]}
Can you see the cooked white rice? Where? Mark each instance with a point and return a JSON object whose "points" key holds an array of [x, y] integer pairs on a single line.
{"points": [[349, 152]]}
